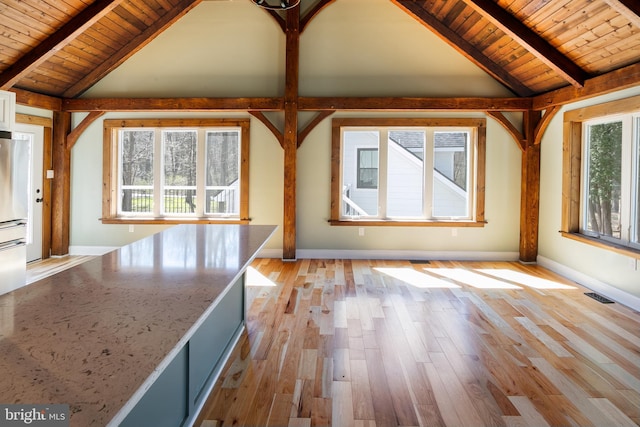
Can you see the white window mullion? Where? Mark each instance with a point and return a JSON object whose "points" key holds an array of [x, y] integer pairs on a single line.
{"points": [[472, 171], [429, 153], [201, 173], [158, 174], [635, 173], [383, 144], [626, 187]]}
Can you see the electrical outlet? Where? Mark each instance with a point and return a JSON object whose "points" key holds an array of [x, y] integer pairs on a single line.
{"points": [[454, 232], [361, 231], [131, 228]]}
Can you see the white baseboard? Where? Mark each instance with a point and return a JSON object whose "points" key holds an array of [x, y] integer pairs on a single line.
{"points": [[91, 250], [595, 285], [386, 254]]}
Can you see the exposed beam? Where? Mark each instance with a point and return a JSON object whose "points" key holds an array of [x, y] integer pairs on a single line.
{"points": [[61, 186], [172, 104], [630, 9], [535, 44], [613, 81], [413, 104], [134, 45], [31, 99], [58, 40], [509, 127], [274, 130], [313, 13], [320, 116], [73, 136], [530, 190], [290, 134], [465, 48], [549, 114]]}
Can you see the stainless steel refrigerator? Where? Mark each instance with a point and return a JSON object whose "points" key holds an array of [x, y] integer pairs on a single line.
{"points": [[14, 181]]}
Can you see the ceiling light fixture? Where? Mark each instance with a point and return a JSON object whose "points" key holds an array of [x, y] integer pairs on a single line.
{"points": [[283, 4]]}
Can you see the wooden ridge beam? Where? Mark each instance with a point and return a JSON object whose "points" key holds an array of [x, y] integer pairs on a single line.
{"points": [[57, 41]]}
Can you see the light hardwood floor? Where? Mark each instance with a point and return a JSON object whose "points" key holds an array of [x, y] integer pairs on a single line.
{"points": [[395, 343], [392, 343]]}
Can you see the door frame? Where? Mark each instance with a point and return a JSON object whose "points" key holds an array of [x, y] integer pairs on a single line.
{"points": [[47, 164]]}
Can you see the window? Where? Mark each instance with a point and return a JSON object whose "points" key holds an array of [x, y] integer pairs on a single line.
{"points": [[367, 168], [171, 170], [407, 172], [609, 202], [601, 185]]}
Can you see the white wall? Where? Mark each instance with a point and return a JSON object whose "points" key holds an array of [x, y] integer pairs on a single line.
{"points": [[232, 49], [602, 270]]}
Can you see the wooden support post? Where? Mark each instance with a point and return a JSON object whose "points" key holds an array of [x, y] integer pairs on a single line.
{"points": [[290, 137], [61, 188], [530, 189]]}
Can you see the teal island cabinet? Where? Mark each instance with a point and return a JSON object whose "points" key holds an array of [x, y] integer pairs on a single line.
{"points": [[135, 337]]}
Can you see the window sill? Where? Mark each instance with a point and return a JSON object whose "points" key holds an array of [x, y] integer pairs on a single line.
{"points": [[602, 244], [164, 221], [399, 223]]}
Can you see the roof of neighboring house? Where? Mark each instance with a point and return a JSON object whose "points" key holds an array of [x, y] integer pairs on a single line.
{"points": [[413, 141]]}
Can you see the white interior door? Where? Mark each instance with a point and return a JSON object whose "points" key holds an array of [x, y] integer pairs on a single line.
{"points": [[34, 136]]}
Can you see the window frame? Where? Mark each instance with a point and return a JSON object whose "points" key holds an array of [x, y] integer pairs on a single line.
{"points": [[478, 170], [574, 174], [111, 172]]}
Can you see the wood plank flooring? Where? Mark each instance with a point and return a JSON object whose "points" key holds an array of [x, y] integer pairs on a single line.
{"points": [[368, 343]]}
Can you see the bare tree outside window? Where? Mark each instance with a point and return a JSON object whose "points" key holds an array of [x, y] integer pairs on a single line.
{"points": [[180, 168], [137, 170]]}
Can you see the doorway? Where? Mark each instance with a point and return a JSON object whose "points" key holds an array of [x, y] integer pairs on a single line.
{"points": [[34, 136]]}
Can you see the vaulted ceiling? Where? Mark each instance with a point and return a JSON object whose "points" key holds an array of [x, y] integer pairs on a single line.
{"points": [[61, 48]]}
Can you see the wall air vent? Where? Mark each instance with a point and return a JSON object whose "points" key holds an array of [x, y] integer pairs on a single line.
{"points": [[598, 298]]}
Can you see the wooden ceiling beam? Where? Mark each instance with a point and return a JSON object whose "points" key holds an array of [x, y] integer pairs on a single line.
{"points": [[172, 104], [613, 81], [413, 104], [131, 48], [38, 100], [57, 41], [465, 48], [535, 44], [629, 9]]}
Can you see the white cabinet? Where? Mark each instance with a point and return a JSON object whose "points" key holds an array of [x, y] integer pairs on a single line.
{"points": [[7, 110]]}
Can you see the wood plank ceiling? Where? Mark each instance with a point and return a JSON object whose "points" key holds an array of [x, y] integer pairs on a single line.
{"points": [[61, 48]]}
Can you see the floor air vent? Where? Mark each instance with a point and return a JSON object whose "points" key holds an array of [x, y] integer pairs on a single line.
{"points": [[598, 298], [419, 261]]}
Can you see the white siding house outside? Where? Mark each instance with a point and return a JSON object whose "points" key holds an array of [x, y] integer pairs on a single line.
{"points": [[402, 159]]}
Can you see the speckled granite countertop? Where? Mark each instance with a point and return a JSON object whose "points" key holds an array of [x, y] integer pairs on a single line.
{"points": [[91, 336]]}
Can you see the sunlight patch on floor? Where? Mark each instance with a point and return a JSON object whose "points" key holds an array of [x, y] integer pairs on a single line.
{"points": [[255, 278], [525, 279], [471, 278], [416, 278]]}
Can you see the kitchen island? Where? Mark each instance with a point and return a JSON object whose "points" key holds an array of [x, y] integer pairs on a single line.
{"points": [[136, 336]]}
